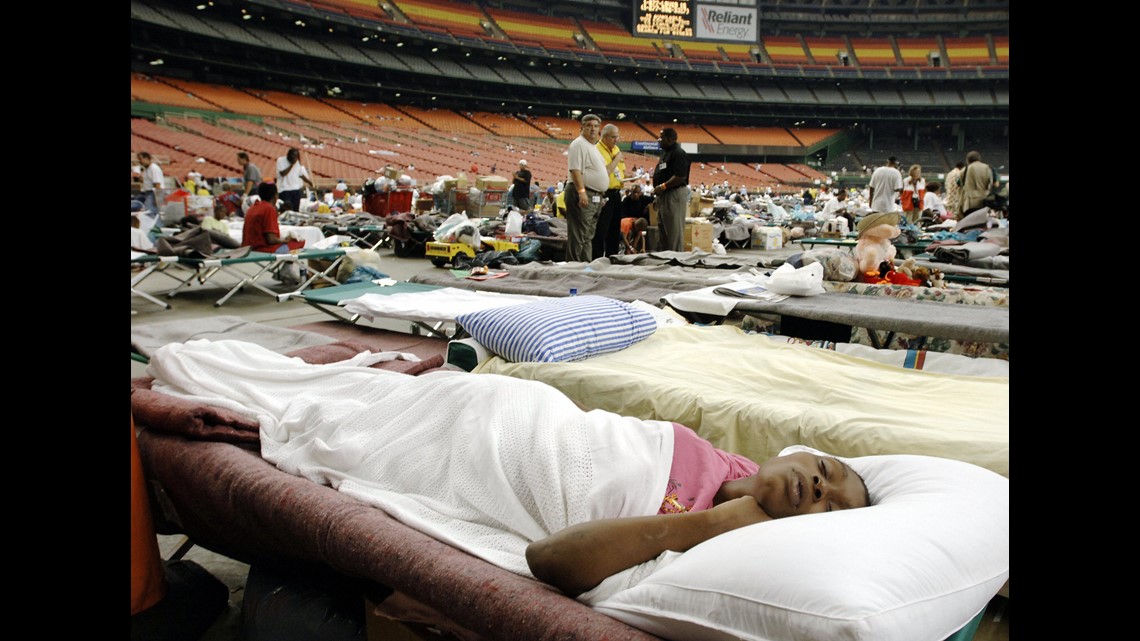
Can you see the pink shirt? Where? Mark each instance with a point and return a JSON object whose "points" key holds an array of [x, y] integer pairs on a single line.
{"points": [[698, 471]]}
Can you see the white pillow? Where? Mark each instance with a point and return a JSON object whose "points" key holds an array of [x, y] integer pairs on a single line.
{"points": [[917, 565], [559, 329]]}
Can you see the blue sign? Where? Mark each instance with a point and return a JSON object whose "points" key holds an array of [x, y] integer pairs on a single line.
{"points": [[638, 145]]}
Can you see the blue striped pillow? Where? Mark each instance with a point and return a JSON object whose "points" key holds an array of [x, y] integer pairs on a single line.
{"points": [[560, 329]]}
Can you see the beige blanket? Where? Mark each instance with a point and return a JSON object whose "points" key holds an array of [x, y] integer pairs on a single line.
{"points": [[750, 395]]}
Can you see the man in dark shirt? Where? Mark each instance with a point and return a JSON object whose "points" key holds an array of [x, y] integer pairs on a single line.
{"points": [[520, 188], [635, 204], [671, 191]]}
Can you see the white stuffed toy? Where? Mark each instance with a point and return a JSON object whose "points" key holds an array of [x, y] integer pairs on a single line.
{"points": [[874, 245]]}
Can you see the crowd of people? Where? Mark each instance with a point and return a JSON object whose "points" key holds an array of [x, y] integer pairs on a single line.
{"points": [[607, 208]]}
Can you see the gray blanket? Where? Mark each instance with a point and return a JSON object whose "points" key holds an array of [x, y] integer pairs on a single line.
{"points": [[147, 338]]}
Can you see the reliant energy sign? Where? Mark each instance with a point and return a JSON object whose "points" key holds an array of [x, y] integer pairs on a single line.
{"points": [[722, 21]]}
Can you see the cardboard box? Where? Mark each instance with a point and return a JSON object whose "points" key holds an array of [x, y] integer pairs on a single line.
{"points": [[493, 196], [698, 234], [483, 183], [489, 210], [767, 237], [424, 204], [652, 209], [391, 172]]}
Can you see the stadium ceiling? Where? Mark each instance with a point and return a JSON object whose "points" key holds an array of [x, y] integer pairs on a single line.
{"points": [[367, 63]]}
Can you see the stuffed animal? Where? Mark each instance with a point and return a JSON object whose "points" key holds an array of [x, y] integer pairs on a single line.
{"points": [[921, 274], [907, 267], [937, 279], [874, 245]]}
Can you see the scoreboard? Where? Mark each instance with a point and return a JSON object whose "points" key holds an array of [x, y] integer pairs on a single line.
{"points": [[712, 20]]}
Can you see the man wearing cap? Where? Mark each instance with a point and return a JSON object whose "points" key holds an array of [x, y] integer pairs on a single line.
{"points": [[585, 189], [520, 187], [671, 191], [886, 183], [607, 237]]}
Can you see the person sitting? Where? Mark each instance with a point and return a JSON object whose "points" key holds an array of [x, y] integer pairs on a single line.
{"points": [[633, 232], [218, 222], [932, 206], [261, 233]]}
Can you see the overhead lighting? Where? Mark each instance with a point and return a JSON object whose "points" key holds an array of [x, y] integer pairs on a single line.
{"points": [[575, 112], [246, 17], [156, 62], [200, 7], [399, 44], [299, 23], [434, 49], [621, 116], [364, 39]]}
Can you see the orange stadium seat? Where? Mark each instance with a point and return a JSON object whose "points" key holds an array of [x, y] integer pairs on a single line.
{"points": [[785, 50], [535, 29], [1001, 49], [825, 50], [231, 99], [159, 91], [612, 39], [967, 51], [762, 136], [876, 52], [916, 51], [809, 137], [685, 133], [458, 18]]}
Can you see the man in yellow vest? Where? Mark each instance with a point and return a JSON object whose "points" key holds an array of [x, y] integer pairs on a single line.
{"points": [[607, 235]]}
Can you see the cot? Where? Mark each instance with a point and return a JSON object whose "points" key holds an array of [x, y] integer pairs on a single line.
{"points": [[748, 394], [249, 270], [365, 236], [429, 308], [686, 280], [903, 248], [150, 264], [225, 497]]}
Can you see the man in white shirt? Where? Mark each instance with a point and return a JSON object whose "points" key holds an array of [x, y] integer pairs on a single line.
{"points": [[886, 183], [291, 178], [585, 190], [836, 207], [152, 186]]}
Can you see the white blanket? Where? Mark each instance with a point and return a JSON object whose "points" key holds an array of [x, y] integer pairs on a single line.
{"points": [[486, 463], [444, 304]]}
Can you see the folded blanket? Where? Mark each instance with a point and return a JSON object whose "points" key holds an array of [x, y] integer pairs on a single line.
{"points": [[190, 419], [965, 252], [485, 463]]}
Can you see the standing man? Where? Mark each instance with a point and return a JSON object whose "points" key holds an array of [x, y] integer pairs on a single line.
{"points": [[152, 187], [520, 188], [886, 183], [953, 189], [607, 236], [977, 182], [291, 178], [251, 178], [585, 189], [671, 191]]}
